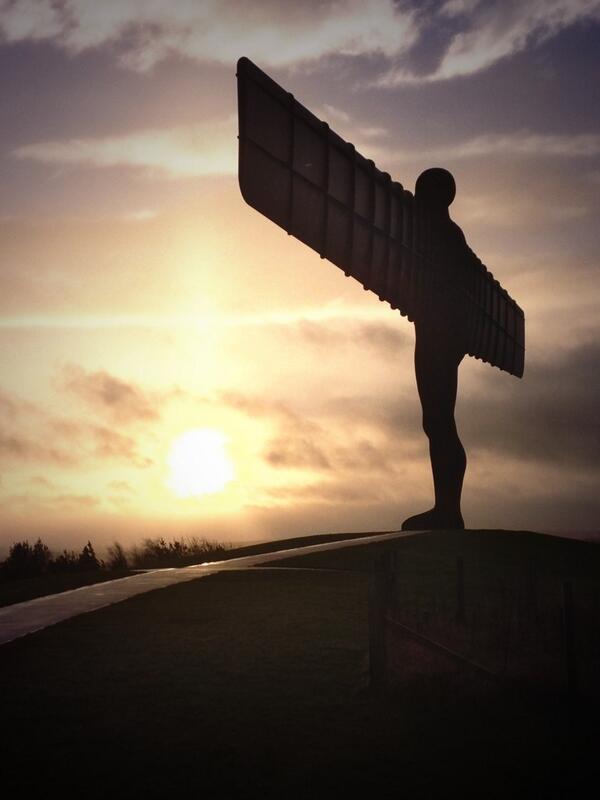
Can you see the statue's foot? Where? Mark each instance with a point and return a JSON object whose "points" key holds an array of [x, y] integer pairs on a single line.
{"points": [[434, 520]]}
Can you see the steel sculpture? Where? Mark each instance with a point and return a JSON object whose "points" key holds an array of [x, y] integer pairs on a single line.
{"points": [[304, 177]]}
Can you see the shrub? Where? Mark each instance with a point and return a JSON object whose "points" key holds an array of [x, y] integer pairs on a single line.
{"points": [[117, 559], [158, 552]]}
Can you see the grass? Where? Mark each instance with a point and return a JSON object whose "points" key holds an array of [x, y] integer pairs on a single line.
{"points": [[253, 684], [511, 617]]}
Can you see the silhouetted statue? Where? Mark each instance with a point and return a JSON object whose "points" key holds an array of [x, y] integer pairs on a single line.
{"points": [[304, 177], [441, 334]]}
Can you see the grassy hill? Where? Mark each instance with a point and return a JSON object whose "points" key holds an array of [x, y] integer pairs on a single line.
{"points": [[254, 684]]}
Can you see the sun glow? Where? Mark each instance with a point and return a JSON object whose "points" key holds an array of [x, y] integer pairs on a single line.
{"points": [[199, 463]]}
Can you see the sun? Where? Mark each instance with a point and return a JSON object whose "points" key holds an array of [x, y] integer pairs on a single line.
{"points": [[199, 463]]}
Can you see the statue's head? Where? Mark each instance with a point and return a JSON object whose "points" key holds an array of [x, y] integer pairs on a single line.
{"points": [[436, 188]]}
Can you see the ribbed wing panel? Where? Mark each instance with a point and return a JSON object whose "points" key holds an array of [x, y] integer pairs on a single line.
{"points": [[301, 175]]}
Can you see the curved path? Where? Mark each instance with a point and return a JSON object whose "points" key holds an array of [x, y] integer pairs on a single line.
{"points": [[33, 615]]}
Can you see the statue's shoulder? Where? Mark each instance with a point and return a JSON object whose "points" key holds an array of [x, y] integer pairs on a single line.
{"points": [[457, 234]]}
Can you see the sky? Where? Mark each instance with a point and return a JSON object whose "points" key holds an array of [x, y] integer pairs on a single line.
{"points": [[173, 364]]}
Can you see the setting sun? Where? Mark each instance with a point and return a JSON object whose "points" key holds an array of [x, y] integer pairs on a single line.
{"points": [[199, 463]]}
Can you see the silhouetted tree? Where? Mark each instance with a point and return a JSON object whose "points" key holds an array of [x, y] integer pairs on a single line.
{"points": [[87, 561], [67, 561], [25, 561], [42, 557]]}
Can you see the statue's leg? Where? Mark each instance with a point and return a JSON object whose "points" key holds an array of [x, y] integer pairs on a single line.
{"points": [[436, 365]]}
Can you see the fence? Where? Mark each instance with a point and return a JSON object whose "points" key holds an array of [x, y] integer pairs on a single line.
{"points": [[475, 607]]}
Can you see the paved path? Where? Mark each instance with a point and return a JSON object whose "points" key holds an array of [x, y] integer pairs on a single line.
{"points": [[23, 618]]}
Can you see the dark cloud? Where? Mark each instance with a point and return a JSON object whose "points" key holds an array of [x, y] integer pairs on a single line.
{"points": [[468, 36], [121, 400], [552, 415]]}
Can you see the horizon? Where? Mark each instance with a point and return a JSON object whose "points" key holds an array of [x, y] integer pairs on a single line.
{"points": [[173, 364]]}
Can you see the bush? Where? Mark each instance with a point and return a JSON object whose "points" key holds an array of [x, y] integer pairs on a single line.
{"points": [[158, 552], [117, 559]]}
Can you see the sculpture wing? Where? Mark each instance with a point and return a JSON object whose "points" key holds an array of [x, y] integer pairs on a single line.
{"points": [[304, 177]]}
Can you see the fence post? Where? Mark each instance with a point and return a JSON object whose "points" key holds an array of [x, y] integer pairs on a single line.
{"points": [[378, 598], [460, 589], [570, 655]]}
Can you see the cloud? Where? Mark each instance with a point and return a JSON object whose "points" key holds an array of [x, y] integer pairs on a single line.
{"points": [[30, 434], [41, 481], [487, 31], [73, 502], [16, 446], [298, 451], [89, 440], [382, 339], [121, 486], [478, 33], [11, 407], [207, 148], [517, 144], [332, 493], [348, 127], [344, 437], [274, 33], [522, 143], [322, 451], [550, 420], [121, 400], [551, 416], [51, 504]]}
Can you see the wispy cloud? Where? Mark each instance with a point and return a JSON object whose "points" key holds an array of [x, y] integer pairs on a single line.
{"points": [[349, 127], [30, 434], [490, 30], [17, 446], [275, 33], [208, 148], [523, 143], [385, 340], [479, 32], [121, 400], [52, 504]]}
